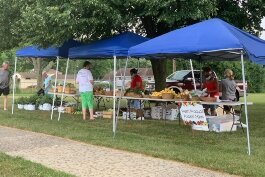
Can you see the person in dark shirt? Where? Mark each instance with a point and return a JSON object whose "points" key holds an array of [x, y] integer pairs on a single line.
{"points": [[4, 82]]}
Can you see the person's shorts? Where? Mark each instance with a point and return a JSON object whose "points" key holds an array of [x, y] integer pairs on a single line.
{"points": [[87, 100], [4, 91]]}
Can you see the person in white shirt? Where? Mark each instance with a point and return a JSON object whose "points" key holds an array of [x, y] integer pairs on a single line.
{"points": [[85, 80]]}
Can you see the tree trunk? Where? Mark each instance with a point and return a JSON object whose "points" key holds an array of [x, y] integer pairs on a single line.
{"points": [[38, 71], [159, 70], [159, 67]]}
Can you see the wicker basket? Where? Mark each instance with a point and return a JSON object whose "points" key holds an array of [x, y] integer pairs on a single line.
{"points": [[52, 90], [156, 97], [69, 90], [109, 93], [185, 97], [119, 93], [146, 96], [60, 89], [129, 94], [68, 110], [167, 96], [137, 96]]}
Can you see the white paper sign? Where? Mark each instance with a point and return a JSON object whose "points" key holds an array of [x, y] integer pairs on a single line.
{"points": [[194, 115]]}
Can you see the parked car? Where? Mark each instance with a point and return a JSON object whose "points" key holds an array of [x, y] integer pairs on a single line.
{"points": [[182, 80]]}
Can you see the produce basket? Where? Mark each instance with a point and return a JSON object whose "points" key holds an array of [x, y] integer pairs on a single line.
{"points": [[156, 97], [119, 93], [67, 90], [146, 96], [52, 90], [167, 95], [109, 93], [68, 110], [60, 89]]}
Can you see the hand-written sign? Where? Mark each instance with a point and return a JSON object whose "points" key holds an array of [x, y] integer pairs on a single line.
{"points": [[194, 115]]}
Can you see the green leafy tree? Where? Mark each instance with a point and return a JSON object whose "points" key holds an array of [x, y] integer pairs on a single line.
{"points": [[52, 22]]}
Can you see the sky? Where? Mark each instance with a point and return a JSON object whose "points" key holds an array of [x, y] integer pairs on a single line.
{"points": [[263, 25]]}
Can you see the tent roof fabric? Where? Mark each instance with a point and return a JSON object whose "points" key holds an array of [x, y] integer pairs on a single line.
{"points": [[143, 72], [50, 52], [106, 48], [211, 39]]}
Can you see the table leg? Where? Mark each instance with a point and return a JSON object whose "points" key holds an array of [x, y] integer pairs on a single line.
{"points": [[240, 122]]}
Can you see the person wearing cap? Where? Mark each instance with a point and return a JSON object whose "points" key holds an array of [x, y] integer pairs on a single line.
{"points": [[228, 88], [4, 82], [210, 86], [85, 80]]}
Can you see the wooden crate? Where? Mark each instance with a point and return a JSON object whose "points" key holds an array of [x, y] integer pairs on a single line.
{"points": [[107, 114], [68, 110]]}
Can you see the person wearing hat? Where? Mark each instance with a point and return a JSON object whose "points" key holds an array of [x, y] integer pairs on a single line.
{"points": [[228, 88], [4, 82]]}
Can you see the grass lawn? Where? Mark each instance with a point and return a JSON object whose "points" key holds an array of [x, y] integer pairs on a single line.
{"points": [[225, 152], [16, 166]]}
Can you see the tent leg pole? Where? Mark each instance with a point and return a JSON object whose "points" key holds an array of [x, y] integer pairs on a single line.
{"points": [[55, 86], [114, 97], [64, 83], [14, 85], [245, 100], [200, 73], [122, 89], [192, 72]]}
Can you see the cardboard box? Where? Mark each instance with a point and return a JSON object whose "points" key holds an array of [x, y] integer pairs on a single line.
{"points": [[147, 113], [126, 115], [157, 112], [221, 123], [172, 114]]}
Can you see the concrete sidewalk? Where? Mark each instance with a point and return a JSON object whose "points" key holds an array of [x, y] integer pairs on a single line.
{"points": [[88, 160]]}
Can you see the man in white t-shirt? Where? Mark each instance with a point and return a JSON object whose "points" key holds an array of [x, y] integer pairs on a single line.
{"points": [[85, 80]]}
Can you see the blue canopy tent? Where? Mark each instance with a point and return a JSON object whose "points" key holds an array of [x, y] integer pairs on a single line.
{"points": [[50, 52], [107, 48], [114, 47], [213, 40]]}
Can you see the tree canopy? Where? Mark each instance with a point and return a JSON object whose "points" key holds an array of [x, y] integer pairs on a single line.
{"points": [[52, 22]]}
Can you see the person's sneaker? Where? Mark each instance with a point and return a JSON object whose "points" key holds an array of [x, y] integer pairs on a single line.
{"points": [[244, 125]]}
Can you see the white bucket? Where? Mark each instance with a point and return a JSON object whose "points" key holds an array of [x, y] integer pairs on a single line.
{"points": [[61, 109], [46, 107], [31, 107], [40, 107], [20, 106], [25, 106]]}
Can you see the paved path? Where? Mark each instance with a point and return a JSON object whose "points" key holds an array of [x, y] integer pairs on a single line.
{"points": [[88, 160]]}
